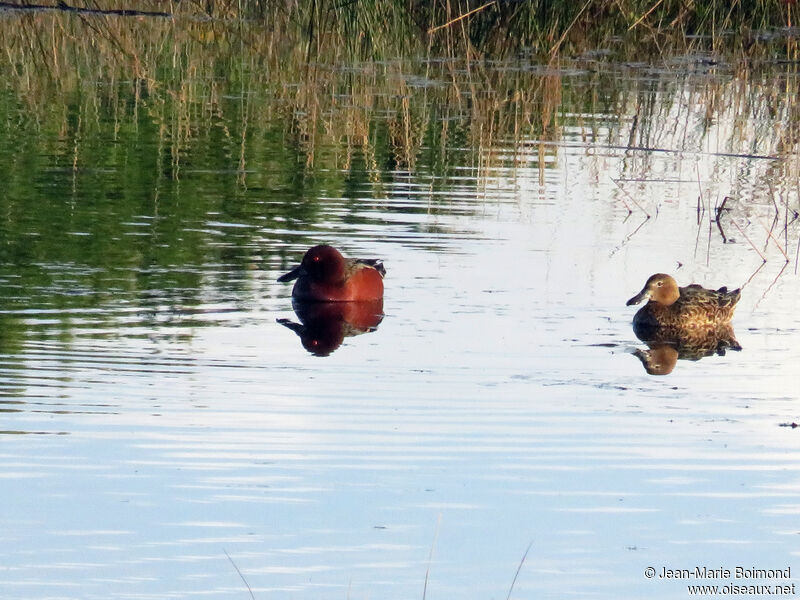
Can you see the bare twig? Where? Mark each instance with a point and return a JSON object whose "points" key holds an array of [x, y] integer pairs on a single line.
{"points": [[701, 208], [718, 211], [701, 211], [430, 557], [519, 568], [771, 285], [64, 7], [631, 198], [240, 574], [700, 200], [645, 15], [796, 256], [777, 243], [763, 258], [560, 41], [697, 237], [777, 213], [629, 236], [749, 279], [464, 16]]}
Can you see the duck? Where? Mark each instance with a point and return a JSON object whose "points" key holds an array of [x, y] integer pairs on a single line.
{"points": [[325, 275], [681, 309]]}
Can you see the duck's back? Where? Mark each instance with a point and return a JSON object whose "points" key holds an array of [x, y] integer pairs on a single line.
{"points": [[697, 295], [698, 306]]}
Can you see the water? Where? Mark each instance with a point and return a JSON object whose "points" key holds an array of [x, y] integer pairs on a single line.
{"points": [[165, 435]]}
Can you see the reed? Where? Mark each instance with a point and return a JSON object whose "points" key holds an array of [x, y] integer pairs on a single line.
{"points": [[226, 78], [188, 81], [370, 29]]}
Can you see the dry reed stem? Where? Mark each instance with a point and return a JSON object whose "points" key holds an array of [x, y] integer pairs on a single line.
{"points": [[718, 212], [699, 222], [240, 574], [796, 256], [700, 199], [645, 15], [464, 16], [752, 275], [708, 242], [777, 243], [519, 568], [631, 198], [752, 245], [555, 48], [629, 236], [430, 556], [771, 285]]}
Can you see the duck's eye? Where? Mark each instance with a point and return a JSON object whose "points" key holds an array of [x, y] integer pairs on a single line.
{"points": [[317, 259], [659, 283]]}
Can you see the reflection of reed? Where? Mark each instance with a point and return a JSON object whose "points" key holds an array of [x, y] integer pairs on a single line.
{"points": [[224, 95], [166, 75], [746, 140], [170, 68]]}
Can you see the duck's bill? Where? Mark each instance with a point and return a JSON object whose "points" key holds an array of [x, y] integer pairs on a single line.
{"points": [[293, 274], [298, 328], [637, 298]]}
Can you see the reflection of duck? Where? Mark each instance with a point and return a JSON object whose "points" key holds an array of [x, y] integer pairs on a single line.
{"points": [[325, 275], [324, 325], [658, 359], [666, 346], [682, 309]]}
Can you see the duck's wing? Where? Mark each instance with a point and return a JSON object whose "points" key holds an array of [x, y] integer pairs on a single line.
{"points": [[375, 263], [697, 295]]}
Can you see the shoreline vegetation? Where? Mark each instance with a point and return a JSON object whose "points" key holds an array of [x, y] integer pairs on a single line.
{"points": [[468, 28], [324, 87], [509, 23], [328, 70], [384, 83]]}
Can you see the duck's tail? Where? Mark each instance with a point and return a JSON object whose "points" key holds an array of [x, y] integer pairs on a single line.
{"points": [[729, 299], [734, 296], [375, 263]]}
